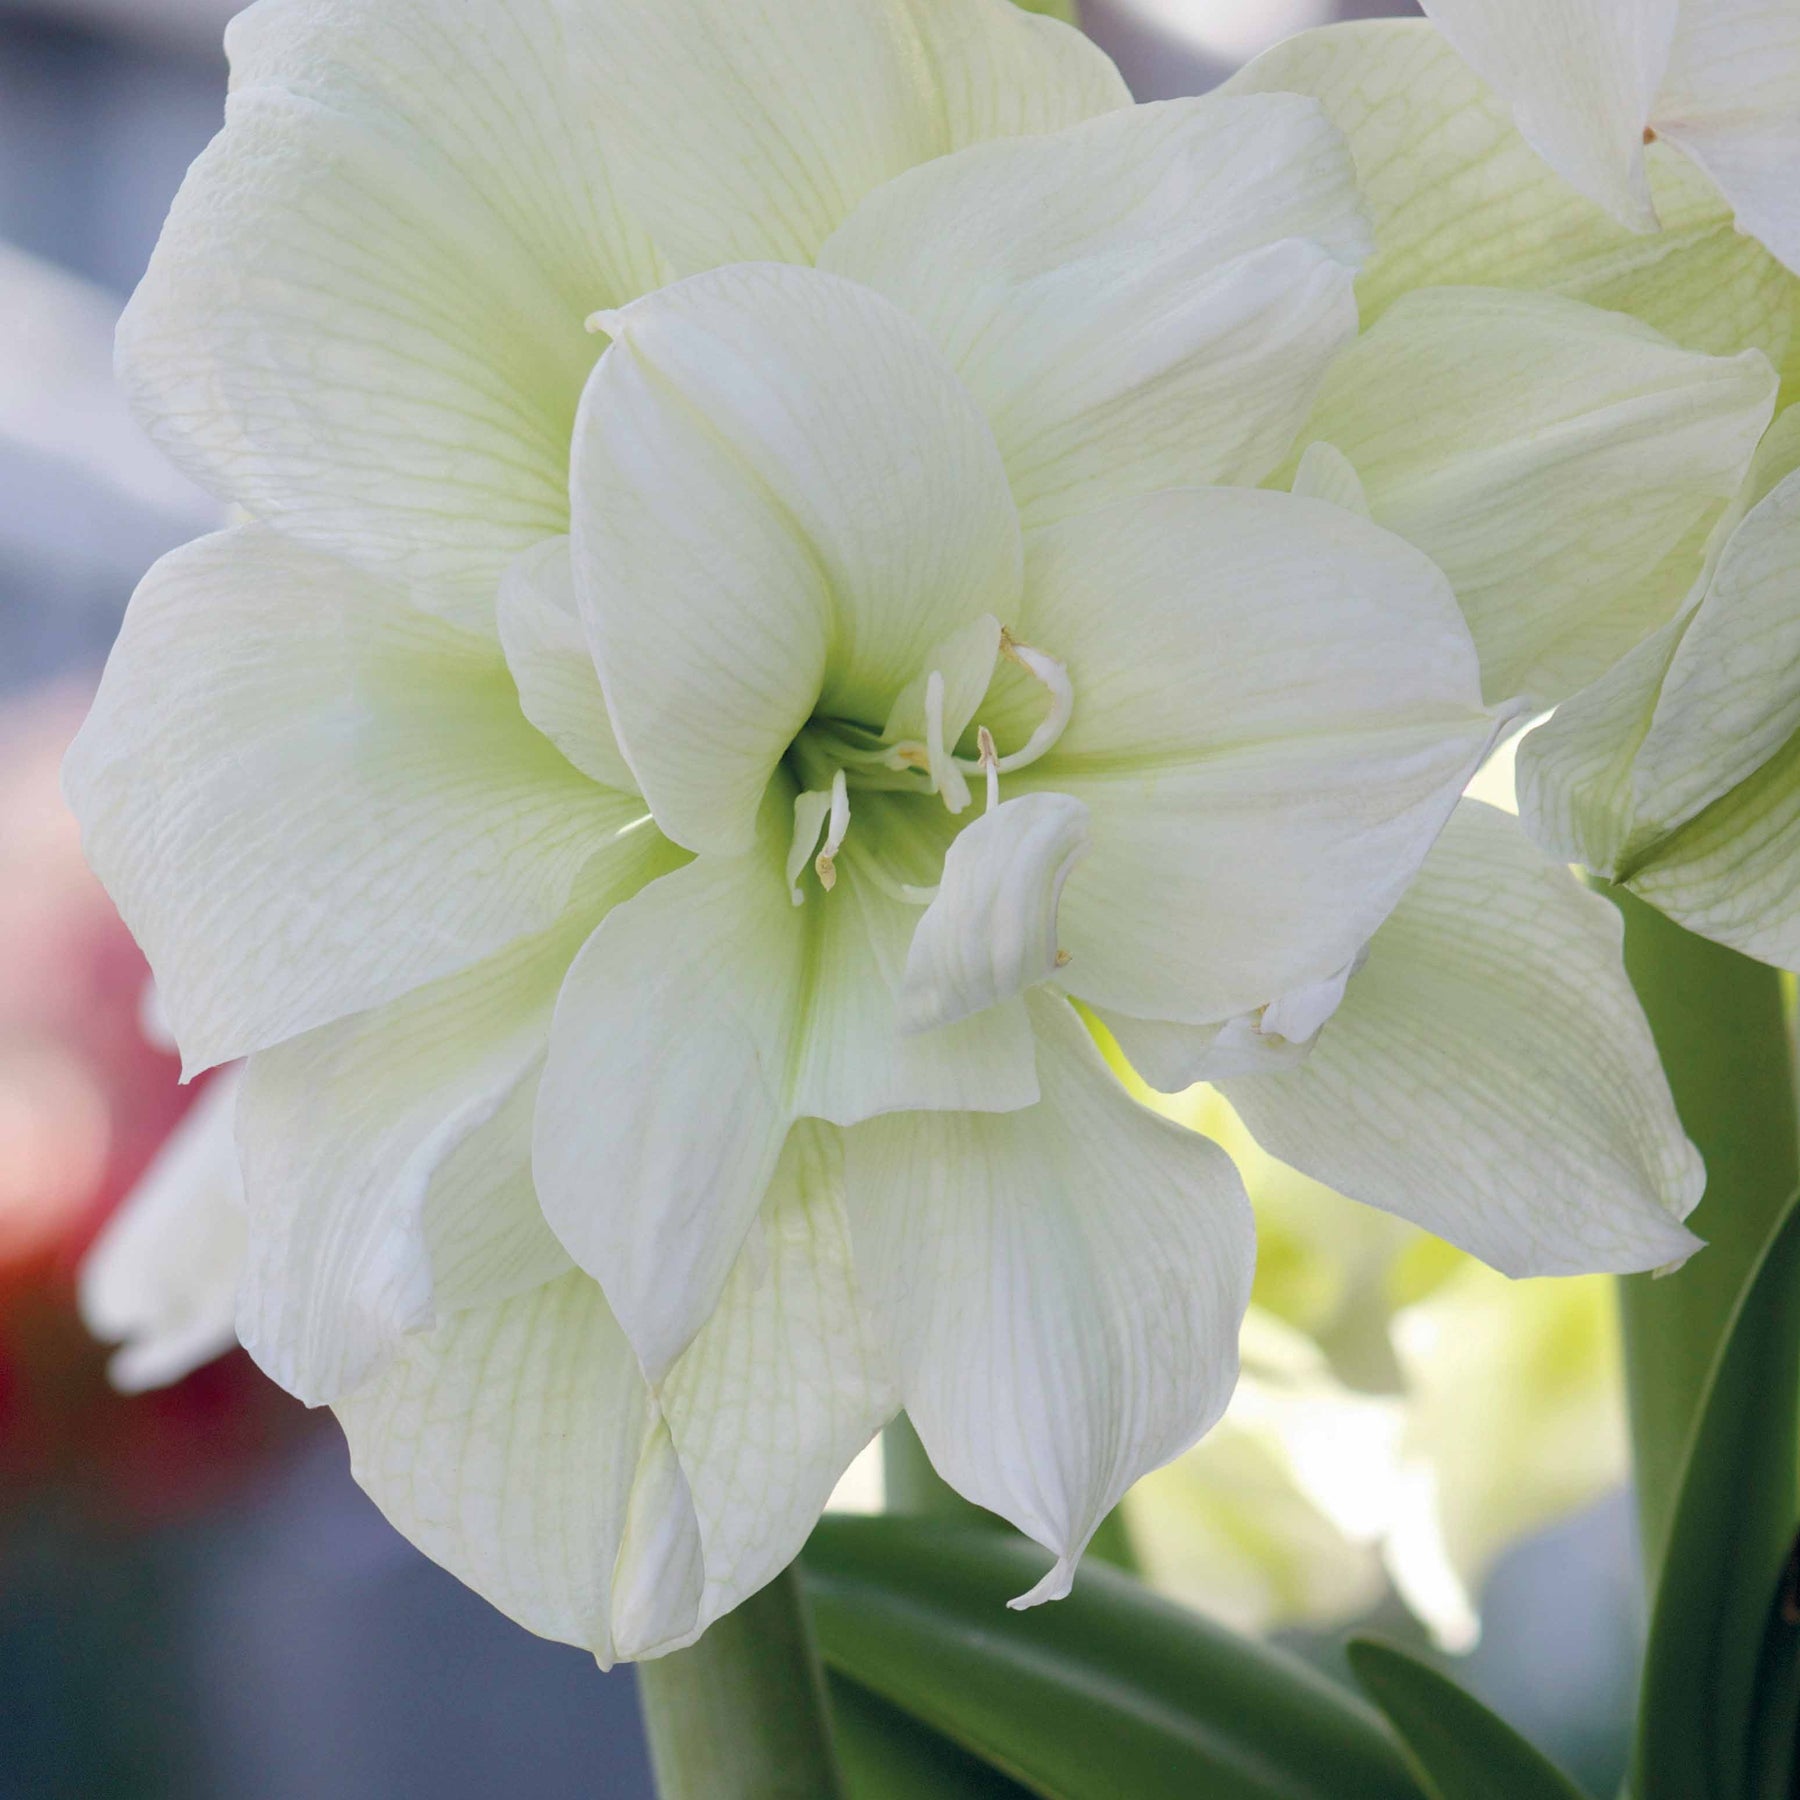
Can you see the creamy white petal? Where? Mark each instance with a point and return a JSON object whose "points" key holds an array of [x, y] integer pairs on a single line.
{"points": [[161, 1279], [363, 321], [1326, 473], [1581, 76], [1059, 1288], [1145, 301], [1490, 1074], [505, 1444], [307, 798], [547, 651], [1459, 198], [748, 129], [991, 932], [784, 499], [784, 1386], [346, 1221], [1562, 465], [1276, 705], [1731, 100], [697, 1023]]}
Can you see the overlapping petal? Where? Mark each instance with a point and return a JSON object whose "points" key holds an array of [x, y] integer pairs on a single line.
{"points": [[1490, 1075], [1459, 198], [1562, 465], [418, 1199], [1059, 1288], [1147, 300], [518, 1445], [363, 320], [161, 1279], [1276, 705], [308, 798], [748, 132], [696, 1025], [547, 651], [784, 501]]}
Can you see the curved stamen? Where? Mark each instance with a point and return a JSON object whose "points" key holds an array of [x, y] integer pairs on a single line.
{"points": [[835, 833], [991, 762], [1054, 679]]}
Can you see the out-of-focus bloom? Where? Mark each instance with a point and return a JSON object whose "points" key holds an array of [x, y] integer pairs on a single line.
{"points": [[1678, 773], [1402, 1409], [650, 880], [1592, 82], [85, 1103]]}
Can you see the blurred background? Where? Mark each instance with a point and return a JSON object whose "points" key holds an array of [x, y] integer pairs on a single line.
{"points": [[195, 1599]]}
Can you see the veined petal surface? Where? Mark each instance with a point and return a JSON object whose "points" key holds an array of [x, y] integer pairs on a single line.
{"points": [[1459, 198], [784, 501], [308, 798], [1562, 465], [1059, 1288], [1146, 300], [1490, 1074], [697, 1024], [421, 1182], [363, 321], [1276, 706], [547, 651], [1581, 75], [747, 132]]}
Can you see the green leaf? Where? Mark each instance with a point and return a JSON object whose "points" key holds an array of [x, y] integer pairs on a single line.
{"points": [[1721, 1664], [1461, 1751], [1111, 1692], [887, 1754]]}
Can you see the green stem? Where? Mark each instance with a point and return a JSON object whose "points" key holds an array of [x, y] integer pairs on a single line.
{"points": [[1721, 1028], [742, 1714]]}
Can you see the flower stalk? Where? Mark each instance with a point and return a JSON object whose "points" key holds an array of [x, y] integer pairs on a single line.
{"points": [[1721, 1027], [743, 1714]]}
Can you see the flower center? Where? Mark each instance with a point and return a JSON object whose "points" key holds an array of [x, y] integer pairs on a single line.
{"points": [[830, 757]]}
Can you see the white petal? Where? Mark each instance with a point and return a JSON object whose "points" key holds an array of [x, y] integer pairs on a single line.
{"points": [[161, 1279], [505, 1445], [1562, 465], [1459, 198], [1326, 473], [347, 1222], [1276, 705], [1145, 301], [1581, 76], [664, 1105], [1490, 1074], [363, 321], [308, 798], [1172, 1058], [1731, 100], [783, 1387], [783, 499], [1060, 1288], [697, 1023], [747, 129], [559, 687], [991, 931]]}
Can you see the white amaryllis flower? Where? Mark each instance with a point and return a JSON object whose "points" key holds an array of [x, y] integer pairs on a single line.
{"points": [[1591, 82], [645, 820], [1678, 772]]}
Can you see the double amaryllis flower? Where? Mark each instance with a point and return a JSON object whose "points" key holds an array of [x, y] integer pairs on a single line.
{"points": [[758, 602]]}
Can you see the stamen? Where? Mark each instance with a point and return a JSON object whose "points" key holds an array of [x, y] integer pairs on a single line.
{"points": [[946, 777], [1054, 678], [810, 809], [836, 832], [991, 762]]}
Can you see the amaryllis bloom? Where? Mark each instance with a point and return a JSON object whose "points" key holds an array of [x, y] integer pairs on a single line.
{"points": [[1591, 82], [1678, 772], [757, 601]]}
